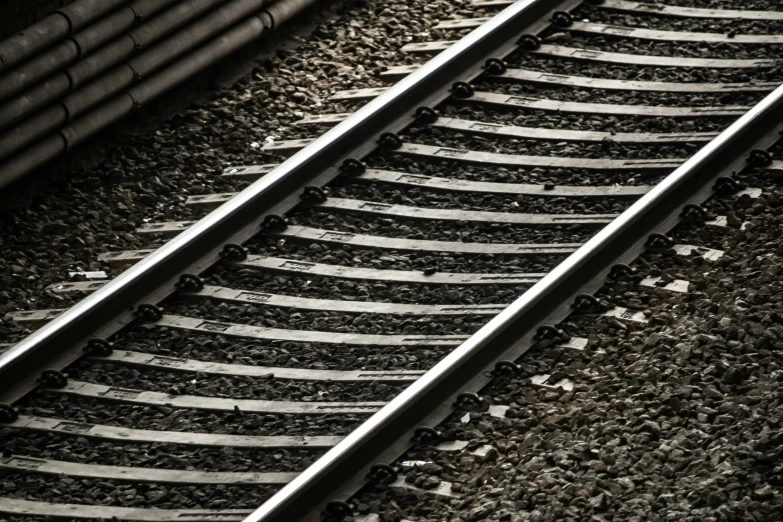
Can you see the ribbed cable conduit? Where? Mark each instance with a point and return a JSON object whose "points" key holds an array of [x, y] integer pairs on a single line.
{"points": [[61, 83], [135, 68], [74, 47], [185, 67], [53, 28]]}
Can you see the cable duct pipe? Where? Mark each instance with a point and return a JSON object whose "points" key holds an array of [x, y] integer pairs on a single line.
{"points": [[61, 83], [53, 28], [139, 38], [111, 111], [74, 47], [281, 12], [140, 66]]}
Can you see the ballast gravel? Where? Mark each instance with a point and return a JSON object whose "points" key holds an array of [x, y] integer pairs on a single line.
{"points": [[708, 445], [675, 419]]}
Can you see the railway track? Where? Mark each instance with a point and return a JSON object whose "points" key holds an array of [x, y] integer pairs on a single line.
{"points": [[232, 368]]}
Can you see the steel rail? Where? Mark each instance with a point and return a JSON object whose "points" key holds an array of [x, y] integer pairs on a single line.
{"points": [[388, 433], [104, 312]]}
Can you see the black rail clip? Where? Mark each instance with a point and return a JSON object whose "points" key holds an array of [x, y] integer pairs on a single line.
{"points": [[338, 510], [550, 333], [469, 398], [426, 434], [495, 66], [562, 19], [693, 213], [658, 240], [234, 252], [586, 303], [148, 312], [462, 90], [529, 42], [621, 270], [506, 368], [7, 413], [726, 185], [313, 194], [190, 283], [99, 347], [353, 167], [52, 378], [382, 473], [760, 158], [274, 222], [426, 115], [390, 140]]}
